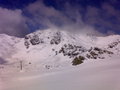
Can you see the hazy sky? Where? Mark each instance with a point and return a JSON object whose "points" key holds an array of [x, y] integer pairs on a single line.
{"points": [[20, 17]]}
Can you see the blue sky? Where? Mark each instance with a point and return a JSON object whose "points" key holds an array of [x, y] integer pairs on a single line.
{"points": [[20, 17]]}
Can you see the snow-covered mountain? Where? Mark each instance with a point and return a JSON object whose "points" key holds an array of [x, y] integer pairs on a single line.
{"points": [[53, 48], [49, 60]]}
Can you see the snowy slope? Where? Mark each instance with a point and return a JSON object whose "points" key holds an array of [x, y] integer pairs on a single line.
{"points": [[7, 44], [91, 75]]}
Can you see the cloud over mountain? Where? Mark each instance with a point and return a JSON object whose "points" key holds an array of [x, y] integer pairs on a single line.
{"points": [[12, 22], [97, 17]]}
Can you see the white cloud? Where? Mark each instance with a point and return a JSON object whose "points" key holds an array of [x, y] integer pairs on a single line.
{"points": [[12, 22], [106, 18], [68, 19]]}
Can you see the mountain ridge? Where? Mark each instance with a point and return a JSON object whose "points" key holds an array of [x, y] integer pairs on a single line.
{"points": [[53, 48]]}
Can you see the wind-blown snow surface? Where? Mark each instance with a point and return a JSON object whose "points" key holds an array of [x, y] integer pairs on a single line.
{"points": [[47, 57]]}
